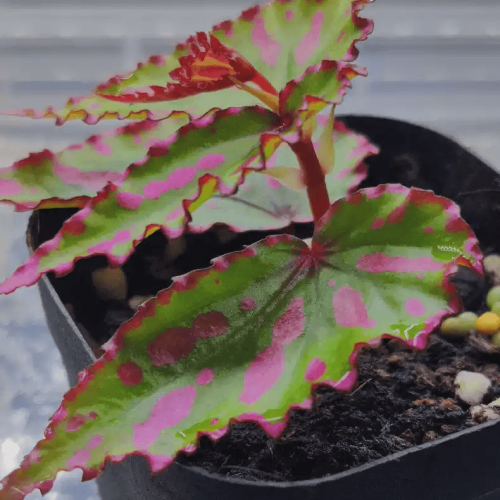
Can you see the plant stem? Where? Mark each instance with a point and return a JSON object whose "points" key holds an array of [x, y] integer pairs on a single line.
{"points": [[314, 178], [270, 100]]}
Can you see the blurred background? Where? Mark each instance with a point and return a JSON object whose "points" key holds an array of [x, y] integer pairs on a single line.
{"points": [[433, 62]]}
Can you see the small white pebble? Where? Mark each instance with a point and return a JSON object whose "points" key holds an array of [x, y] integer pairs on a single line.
{"points": [[485, 413], [471, 387]]}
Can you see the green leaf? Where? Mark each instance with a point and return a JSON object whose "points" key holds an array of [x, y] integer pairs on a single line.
{"points": [[320, 85], [72, 176], [325, 149], [178, 175], [283, 38], [264, 203], [247, 339]]}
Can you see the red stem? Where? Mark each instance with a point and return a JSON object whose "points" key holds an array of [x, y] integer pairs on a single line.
{"points": [[314, 177]]}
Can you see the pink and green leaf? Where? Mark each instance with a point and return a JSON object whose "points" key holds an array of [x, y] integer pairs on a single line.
{"points": [[74, 175], [319, 86], [264, 203], [210, 66], [151, 75], [285, 37], [280, 40], [247, 339], [146, 94], [178, 175]]}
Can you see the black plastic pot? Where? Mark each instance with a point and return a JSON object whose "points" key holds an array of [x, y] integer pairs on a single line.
{"points": [[463, 466]]}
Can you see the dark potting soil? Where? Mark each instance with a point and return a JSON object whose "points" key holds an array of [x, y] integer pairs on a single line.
{"points": [[402, 398]]}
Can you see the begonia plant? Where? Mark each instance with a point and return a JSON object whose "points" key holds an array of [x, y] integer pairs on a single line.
{"points": [[237, 126]]}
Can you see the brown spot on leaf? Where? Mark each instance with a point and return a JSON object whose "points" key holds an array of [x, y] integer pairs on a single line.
{"points": [[210, 325], [171, 346], [129, 373]]}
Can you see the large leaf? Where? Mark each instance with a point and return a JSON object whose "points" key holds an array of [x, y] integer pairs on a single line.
{"points": [[210, 66], [152, 74], [72, 176], [246, 339], [280, 40], [178, 175], [264, 203]]}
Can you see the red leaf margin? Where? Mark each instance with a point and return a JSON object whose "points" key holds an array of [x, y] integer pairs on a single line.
{"points": [[34, 159], [86, 117], [202, 46]]}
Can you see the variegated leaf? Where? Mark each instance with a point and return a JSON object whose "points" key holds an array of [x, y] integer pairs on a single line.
{"points": [[210, 66], [265, 203], [72, 176], [247, 339], [285, 37], [153, 74], [178, 175], [319, 86], [280, 40]]}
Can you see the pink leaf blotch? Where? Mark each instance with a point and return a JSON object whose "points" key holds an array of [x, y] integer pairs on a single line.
{"points": [[170, 410], [349, 309], [266, 369]]}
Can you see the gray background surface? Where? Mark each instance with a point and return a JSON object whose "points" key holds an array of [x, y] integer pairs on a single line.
{"points": [[436, 63]]}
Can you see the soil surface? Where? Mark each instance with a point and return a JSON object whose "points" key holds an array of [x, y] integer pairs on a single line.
{"points": [[403, 397]]}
